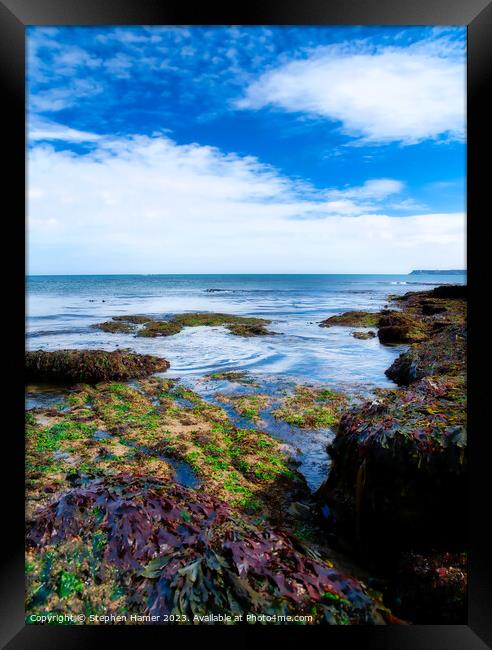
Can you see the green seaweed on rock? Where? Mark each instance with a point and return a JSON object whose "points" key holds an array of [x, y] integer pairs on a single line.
{"points": [[311, 408], [152, 327], [89, 366]]}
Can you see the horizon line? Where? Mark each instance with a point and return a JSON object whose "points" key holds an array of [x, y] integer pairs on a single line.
{"points": [[430, 271]]}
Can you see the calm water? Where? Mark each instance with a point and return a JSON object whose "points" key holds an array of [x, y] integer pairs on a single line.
{"points": [[62, 309]]}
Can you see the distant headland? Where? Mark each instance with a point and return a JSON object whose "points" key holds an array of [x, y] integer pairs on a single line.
{"points": [[438, 272]]}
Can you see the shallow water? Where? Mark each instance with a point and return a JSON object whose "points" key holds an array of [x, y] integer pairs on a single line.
{"points": [[62, 309]]}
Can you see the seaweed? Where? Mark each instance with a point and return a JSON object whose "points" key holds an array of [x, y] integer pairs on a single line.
{"points": [[249, 406], [431, 588], [399, 463], [397, 327], [152, 327], [238, 376], [89, 366], [443, 353], [364, 335], [311, 408], [113, 326], [163, 549], [352, 319]]}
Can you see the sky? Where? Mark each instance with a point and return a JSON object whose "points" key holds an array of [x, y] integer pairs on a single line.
{"points": [[246, 149]]}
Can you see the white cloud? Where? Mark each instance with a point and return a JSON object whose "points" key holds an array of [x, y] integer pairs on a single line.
{"points": [[41, 129], [379, 95], [149, 205], [378, 188]]}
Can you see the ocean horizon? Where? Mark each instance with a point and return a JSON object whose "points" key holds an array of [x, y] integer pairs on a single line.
{"points": [[63, 309]]}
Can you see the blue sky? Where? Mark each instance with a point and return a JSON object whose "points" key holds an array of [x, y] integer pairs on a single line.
{"points": [[246, 149]]}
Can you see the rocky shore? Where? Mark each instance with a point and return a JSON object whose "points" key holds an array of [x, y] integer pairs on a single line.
{"points": [[144, 497], [397, 485]]}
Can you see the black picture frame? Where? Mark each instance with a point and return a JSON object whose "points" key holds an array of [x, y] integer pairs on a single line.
{"points": [[15, 15]]}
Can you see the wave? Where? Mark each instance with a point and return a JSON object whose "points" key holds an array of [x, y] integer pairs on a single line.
{"points": [[71, 330]]}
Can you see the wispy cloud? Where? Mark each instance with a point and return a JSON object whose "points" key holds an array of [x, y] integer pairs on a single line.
{"points": [[145, 204], [42, 129], [103, 199], [378, 94]]}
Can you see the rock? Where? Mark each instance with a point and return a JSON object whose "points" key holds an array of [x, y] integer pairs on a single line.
{"points": [[89, 366], [429, 309], [397, 327], [352, 319], [444, 353], [398, 474], [151, 327], [431, 588], [452, 291], [364, 335], [300, 511]]}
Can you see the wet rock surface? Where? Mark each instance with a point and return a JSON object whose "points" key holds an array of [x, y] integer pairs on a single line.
{"points": [[164, 496], [352, 319], [364, 335], [152, 327], [398, 477], [91, 366], [110, 518]]}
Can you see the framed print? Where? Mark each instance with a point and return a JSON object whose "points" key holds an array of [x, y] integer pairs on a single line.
{"points": [[252, 252]]}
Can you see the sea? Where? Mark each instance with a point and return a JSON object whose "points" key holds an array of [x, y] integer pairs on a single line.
{"points": [[61, 312]]}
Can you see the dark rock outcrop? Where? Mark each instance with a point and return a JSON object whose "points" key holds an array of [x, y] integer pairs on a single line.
{"points": [[431, 588], [398, 473], [89, 366], [396, 491], [398, 327], [452, 291], [444, 353]]}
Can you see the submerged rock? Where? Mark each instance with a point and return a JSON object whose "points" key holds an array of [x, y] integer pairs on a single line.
{"points": [[152, 327], [364, 335], [238, 376], [89, 366]]}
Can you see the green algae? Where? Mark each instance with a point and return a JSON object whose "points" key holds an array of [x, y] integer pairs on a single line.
{"points": [[234, 376], [352, 319], [89, 366], [160, 328], [249, 406], [151, 327], [113, 326], [311, 408], [364, 335], [235, 463]]}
